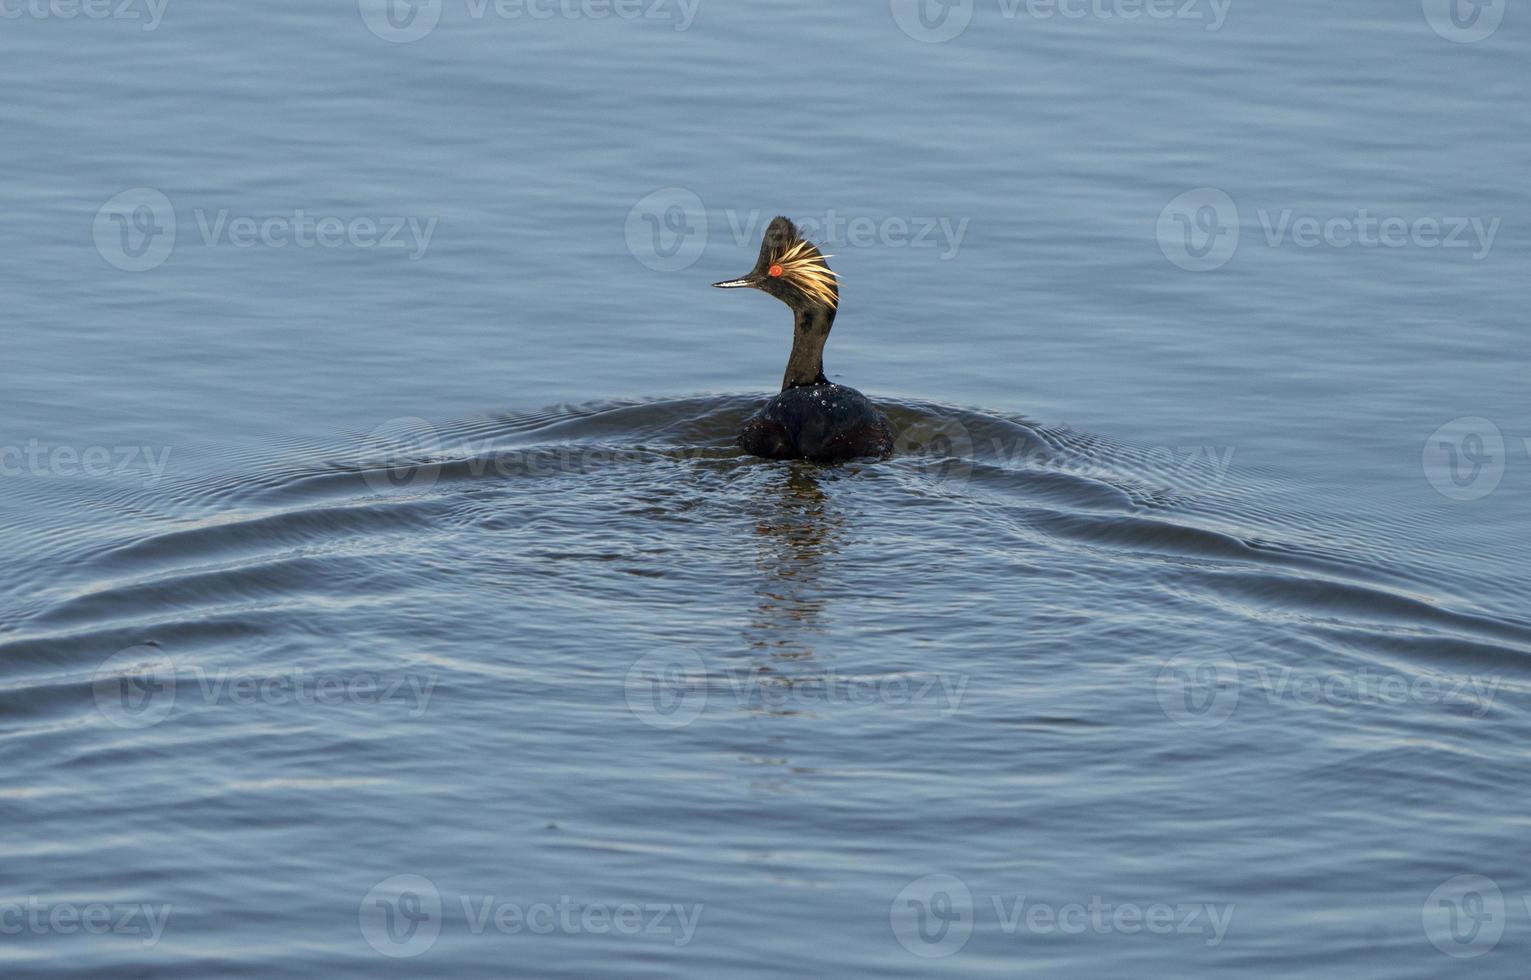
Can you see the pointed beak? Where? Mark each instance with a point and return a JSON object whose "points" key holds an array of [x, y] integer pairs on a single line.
{"points": [[736, 283]]}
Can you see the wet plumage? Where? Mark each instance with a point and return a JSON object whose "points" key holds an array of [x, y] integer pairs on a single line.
{"points": [[812, 418]]}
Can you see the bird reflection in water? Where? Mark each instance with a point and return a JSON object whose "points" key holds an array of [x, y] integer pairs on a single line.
{"points": [[798, 528]]}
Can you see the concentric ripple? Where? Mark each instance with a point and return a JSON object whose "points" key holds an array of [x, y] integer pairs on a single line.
{"points": [[1021, 601]]}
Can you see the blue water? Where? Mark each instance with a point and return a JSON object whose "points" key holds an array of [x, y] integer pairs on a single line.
{"points": [[384, 595]]}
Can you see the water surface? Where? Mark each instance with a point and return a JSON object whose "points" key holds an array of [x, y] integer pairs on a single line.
{"points": [[385, 596]]}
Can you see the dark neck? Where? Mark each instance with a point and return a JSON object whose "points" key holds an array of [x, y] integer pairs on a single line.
{"points": [[810, 328]]}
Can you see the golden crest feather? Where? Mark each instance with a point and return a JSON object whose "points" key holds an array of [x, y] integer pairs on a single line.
{"points": [[803, 265]]}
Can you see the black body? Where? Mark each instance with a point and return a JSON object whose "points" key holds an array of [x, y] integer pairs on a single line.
{"points": [[825, 423], [811, 419]]}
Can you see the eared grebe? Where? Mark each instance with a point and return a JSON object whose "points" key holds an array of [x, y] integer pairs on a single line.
{"points": [[812, 418]]}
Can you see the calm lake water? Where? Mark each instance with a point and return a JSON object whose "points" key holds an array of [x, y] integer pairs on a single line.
{"points": [[384, 596]]}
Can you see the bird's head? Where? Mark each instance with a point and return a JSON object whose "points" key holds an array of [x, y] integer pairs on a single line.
{"points": [[792, 269]]}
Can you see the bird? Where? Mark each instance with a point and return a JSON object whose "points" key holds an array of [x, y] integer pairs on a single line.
{"points": [[812, 418]]}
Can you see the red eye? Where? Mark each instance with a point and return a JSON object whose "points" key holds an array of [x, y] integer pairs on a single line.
{"points": [[775, 272]]}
